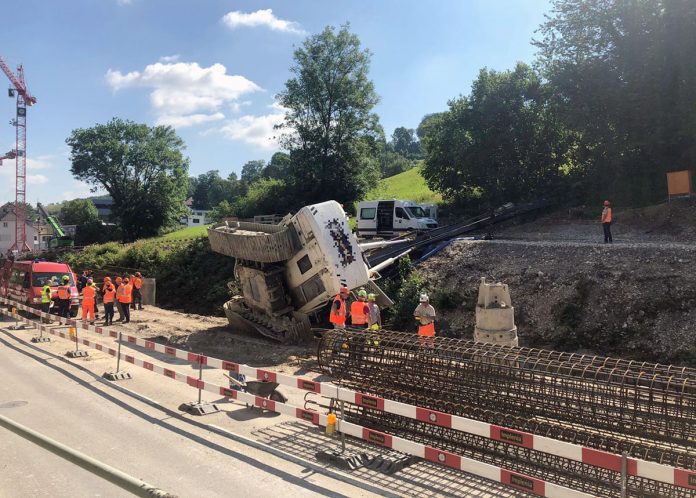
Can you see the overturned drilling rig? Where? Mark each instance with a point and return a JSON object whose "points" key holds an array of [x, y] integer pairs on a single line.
{"points": [[614, 405]]}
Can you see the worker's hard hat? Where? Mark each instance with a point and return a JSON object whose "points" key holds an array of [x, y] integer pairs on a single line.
{"points": [[606, 203], [126, 279], [66, 278], [344, 290], [137, 274], [362, 293], [90, 281], [424, 298], [375, 326], [372, 297], [107, 279]]}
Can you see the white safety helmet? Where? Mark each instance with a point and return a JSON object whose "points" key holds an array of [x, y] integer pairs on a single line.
{"points": [[424, 298]]}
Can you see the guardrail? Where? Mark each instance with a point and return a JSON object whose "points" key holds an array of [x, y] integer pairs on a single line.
{"points": [[590, 456]]}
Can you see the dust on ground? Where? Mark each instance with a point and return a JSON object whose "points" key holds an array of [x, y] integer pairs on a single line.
{"points": [[212, 336]]}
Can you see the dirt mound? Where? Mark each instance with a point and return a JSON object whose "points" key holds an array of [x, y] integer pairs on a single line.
{"points": [[629, 300]]}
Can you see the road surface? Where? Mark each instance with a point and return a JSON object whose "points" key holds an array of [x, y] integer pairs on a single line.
{"points": [[68, 404]]}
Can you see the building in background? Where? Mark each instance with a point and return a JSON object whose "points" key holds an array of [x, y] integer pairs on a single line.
{"points": [[196, 218], [38, 231], [104, 205]]}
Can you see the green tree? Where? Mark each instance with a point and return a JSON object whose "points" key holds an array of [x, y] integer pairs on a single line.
{"points": [[624, 76], [329, 127], [143, 169], [404, 142], [280, 167], [502, 143], [265, 196], [252, 171], [78, 212]]}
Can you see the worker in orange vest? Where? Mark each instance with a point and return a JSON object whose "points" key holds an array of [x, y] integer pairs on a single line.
{"points": [[606, 222], [108, 298], [63, 297], [339, 308], [359, 310], [124, 295], [137, 296], [425, 316], [89, 296]]}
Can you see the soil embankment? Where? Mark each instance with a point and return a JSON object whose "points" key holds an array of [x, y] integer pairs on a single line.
{"points": [[635, 300]]}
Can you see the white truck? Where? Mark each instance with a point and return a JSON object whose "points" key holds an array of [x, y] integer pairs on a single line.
{"points": [[387, 218]]}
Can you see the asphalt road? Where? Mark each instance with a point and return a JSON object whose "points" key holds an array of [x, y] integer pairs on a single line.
{"points": [[71, 406]]}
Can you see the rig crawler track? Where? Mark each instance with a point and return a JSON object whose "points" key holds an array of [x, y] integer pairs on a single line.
{"points": [[647, 410]]}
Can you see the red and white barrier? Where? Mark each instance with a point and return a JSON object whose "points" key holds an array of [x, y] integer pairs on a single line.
{"points": [[598, 458], [498, 474]]}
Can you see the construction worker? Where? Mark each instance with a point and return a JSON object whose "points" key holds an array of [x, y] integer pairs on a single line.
{"points": [[359, 310], [89, 296], [119, 306], [374, 316], [124, 295], [425, 316], [137, 296], [606, 222], [46, 294], [63, 297], [338, 313], [108, 298]]}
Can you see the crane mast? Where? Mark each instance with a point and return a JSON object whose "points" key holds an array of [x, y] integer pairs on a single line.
{"points": [[24, 99]]}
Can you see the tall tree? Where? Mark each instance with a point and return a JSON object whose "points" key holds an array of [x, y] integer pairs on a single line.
{"points": [[623, 72], [143, 169], [252, 171], [502, 143], [405, 143], [329, 127]]}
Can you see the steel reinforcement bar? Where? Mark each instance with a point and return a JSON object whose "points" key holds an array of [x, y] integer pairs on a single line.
{"points": [[652, 415]]}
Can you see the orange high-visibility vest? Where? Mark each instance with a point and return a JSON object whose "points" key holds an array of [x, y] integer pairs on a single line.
{"points": [[606, 215], [357, 313], [137, 283], [121, 293], [109, 295], [88, 294], [338, 316], [63, 292]]}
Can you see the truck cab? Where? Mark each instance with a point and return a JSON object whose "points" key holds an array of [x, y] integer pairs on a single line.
{"points": [[387, 218], [23, 280]]}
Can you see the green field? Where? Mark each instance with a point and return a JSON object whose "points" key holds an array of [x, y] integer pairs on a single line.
{"points": [[186, 233], [409, 185]]}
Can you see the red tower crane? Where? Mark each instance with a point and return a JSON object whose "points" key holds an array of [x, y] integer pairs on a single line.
{"points": [[24, 99]]}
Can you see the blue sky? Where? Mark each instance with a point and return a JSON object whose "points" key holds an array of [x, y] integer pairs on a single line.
{"points": [[211, 68]]}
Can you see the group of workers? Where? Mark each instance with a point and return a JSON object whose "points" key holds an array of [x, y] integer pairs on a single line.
{"points": [[365, 313], [121, 294]]}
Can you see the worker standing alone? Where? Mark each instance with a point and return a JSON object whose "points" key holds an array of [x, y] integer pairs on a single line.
{"points": [[425, 316], [359, 311], [374, 316], [89, 296], [338, 313], [606, 222]]}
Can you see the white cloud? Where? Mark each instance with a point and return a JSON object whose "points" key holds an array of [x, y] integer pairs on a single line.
{"points": [[79, 190], [36, 179], [255, 130], [169, 58], [189, 120], [184, 92], [40, 162], [237, 19]]}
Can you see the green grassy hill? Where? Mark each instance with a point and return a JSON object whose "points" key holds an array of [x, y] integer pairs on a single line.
{"points": [[409, 185], [186, 233]]}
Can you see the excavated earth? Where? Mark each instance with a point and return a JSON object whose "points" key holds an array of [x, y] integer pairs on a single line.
{"points": [[634, 299]]}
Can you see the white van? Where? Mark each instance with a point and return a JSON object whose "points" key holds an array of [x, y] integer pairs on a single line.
{"points": [[390, 218]]}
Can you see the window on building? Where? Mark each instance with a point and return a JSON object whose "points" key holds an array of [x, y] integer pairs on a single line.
{"points": [[196, 220], [4, 224], [36, 237]]}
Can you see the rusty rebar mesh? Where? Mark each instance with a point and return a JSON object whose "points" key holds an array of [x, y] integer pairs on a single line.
{"points": [[648, 410]]}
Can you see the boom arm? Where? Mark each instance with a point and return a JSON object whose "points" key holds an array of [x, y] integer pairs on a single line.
{"points": [[17, 81]]}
